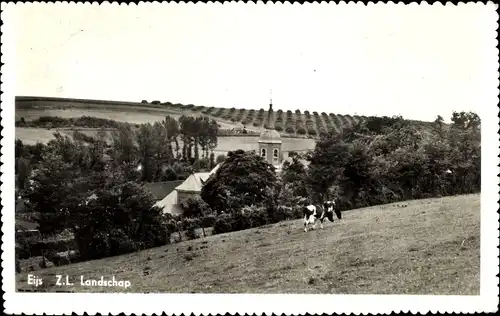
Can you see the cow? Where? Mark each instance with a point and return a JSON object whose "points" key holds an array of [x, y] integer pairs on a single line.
{"points": [[311, 214]]}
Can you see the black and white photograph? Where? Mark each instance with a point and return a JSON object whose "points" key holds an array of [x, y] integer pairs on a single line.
{"points": [[343, 156]]}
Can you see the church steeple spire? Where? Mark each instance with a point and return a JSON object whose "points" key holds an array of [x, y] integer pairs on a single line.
{"points": [[270, 114]]}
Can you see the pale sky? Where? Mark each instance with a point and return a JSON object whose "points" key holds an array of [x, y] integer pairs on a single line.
{"points": [[416, 61]]}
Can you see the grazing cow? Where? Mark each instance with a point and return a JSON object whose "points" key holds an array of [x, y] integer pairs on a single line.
{"points": [[311, 214]]}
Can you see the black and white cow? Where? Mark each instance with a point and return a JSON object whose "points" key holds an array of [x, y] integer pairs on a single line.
{"points": [[311, 214]]}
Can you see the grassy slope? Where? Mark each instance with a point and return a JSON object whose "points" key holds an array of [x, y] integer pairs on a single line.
{"points": [[429, 247]]}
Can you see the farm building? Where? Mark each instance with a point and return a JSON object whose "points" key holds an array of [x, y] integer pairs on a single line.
{"points": [[190, 187]]}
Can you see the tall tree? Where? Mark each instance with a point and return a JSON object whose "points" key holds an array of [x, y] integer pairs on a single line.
{"points": [[466, 120], [123, 144], [244, 179], [145, 141], [172, 127]]}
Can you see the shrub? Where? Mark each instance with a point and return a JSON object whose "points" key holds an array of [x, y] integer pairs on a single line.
{"points": [[208, 220], [208, 110], [190, 225], [257, 216], [220, 158], [218, 112], [311, 131], [223, 224]]}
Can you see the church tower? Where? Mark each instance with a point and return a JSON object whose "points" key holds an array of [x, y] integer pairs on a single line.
{"points": [[270, 140]]}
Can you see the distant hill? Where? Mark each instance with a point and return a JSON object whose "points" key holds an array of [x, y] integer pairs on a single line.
{"points": [[290, 123]]}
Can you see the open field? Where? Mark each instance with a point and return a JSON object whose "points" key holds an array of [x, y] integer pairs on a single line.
{"points": [[225, 143], [418, 247], [120, 114]]}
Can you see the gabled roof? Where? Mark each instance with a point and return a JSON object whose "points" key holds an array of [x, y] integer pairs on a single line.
{"points": [[169, 204], [192, 184], [195, 182]]}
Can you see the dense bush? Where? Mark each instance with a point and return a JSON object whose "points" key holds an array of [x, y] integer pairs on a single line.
{"points": [[209, 110], [311, 131], [84, 137], [59, 122], [218, 112], [223, 223], [301, 131], [244, 179], [220, 158]]}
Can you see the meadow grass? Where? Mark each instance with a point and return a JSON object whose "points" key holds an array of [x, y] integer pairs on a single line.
{"points": [[418, 247]]}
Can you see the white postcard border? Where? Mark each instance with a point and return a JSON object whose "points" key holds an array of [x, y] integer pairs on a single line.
{"points": [[59, 303]]}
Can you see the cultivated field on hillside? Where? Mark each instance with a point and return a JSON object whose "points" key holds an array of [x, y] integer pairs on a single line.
{"points": [[418, 247], [287, 122]]}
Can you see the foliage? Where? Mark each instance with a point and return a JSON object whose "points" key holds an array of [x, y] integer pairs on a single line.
{"points": [[220, 158], [73, 189], [58, 122], [195, 207], [244, 179], [384, 159]]}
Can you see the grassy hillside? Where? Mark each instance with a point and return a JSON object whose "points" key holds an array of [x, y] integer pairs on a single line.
{"points": [[417, 247], [287, 122]]}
